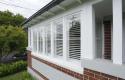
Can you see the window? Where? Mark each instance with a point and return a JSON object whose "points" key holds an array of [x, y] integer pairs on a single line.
{"points": [[74, 36], [47, 40], [29, 37], [34, 41], [40, 37], [58, 38]]}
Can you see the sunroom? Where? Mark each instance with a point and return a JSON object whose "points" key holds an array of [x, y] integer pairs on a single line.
{"points": [[91, 35], [61, 37]]}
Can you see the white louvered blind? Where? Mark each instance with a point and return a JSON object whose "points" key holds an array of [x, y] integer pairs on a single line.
{"points": [[74, 38], [40, 42], [35, 41], [47, 40], [59, 39]]}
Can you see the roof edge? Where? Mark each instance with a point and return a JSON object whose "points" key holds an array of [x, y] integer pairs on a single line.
{"points": [[43, 9]]}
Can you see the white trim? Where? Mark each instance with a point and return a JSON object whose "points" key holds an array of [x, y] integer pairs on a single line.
{"points": [[52, 40], [88, 32], [37, 40], [117, 32], [102, 40], [64, 39], [43, 40]]}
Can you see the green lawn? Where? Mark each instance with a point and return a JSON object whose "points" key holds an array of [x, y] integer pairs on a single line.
{"points": [[18, 76]]}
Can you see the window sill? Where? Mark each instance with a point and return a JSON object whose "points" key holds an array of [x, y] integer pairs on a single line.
{"points": [[71, 65], [29, 48], [105, 66]]}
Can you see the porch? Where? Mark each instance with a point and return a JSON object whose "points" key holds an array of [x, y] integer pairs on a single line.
{"points": [[108, 44]]}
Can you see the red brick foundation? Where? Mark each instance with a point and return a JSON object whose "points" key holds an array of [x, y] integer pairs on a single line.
{"points": [[94, 75], [67, 71], [62, 69], [88, 74]]}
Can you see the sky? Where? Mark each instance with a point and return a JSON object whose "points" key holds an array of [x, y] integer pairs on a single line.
{"points": [[23, 7]]}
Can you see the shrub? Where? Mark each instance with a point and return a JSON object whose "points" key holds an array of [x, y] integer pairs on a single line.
{"points": [[7, 69], [27, 76]]}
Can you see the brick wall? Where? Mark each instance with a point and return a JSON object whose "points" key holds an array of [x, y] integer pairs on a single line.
{"points": [[94, 75], [88, 74], [62, 69], [107, 40]]}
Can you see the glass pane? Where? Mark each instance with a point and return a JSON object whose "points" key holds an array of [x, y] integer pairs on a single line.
{"points": [[58, 38], [47, 40], [74, 36]]}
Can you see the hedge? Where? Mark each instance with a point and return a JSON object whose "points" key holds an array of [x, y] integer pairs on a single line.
{"points": [[7, 69]]}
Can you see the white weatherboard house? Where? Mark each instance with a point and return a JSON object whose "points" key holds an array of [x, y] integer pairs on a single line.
{"points": [[77, 40]]}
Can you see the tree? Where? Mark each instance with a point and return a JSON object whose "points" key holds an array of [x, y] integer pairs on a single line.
{"points": [[12, 40], [8, 18]]}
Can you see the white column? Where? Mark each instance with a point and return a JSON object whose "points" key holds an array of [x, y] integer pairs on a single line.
{"points": [[117, 32], [31, 39], [88, 32], [28, 37], [43, 36], [65, 39], [52, 39]]}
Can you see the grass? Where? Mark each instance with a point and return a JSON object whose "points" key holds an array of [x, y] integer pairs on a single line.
{"points": [[18, 76]]}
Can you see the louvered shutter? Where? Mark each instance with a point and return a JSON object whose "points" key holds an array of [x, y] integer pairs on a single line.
{"points": [[48, 40], [40, 42], [59, 39], [74, 40], [34, 41]]}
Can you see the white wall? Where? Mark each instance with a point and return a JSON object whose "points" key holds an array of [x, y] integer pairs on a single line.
{"points": [[124, 40]]}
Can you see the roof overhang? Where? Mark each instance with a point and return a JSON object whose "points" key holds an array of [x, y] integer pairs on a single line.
{"points": [[51, 9]]}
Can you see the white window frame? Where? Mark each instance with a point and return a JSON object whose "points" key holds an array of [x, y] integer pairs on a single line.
{"points": [[57, 21], [29, 38], [46, 32], [35, 41], [67, 24]]}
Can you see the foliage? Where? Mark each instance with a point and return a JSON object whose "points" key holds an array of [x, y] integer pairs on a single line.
{"points": [[8, 18], [12, 40], [7, 69], [19, 76]]}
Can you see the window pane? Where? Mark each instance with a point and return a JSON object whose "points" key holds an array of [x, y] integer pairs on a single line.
{"points": [[59, 49], [74, 37], [47, 40], [35, 41], [40, 42], [58, 38]]}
